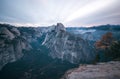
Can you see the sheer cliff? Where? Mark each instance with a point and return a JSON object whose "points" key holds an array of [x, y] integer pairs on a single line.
{"points": [[67, 46], [11, 45]]}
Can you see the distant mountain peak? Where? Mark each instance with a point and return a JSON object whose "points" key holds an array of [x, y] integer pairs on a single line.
{"points": [[60, 27], [66, 46]]}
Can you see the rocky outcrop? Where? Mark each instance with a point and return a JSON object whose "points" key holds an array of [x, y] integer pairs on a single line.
{"points": [[109, 70], [5, 33], [14, 40], [66, 46], [11, 45]]}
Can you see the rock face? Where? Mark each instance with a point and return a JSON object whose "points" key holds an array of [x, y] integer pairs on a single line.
{"points": [[5, 33], [66, 46], [62, 44], [15, 40], [11, 45], [109, 70]]}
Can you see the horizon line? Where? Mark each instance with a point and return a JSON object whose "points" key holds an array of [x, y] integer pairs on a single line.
{"points": [[38, 25]]}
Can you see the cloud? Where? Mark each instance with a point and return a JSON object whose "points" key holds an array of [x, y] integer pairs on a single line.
{"points": [[69, 12]]}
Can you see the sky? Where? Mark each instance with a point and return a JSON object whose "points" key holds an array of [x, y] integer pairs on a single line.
{"points": [[69, 12]]}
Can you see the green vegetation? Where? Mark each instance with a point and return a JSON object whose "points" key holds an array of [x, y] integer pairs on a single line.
{"points": [[36, 64], [108, 48], [114, 51]]}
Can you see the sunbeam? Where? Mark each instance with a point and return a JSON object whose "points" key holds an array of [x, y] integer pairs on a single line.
{"points": [[69, 12]]}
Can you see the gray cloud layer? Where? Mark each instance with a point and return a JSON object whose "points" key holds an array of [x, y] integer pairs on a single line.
{"points": [[70, 12]]}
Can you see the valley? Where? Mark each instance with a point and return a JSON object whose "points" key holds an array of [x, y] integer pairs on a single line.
{"points": [[49, 52]]}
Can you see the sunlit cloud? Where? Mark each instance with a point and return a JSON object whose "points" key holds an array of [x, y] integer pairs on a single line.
{"points": [[69, 12], [88, 9]]}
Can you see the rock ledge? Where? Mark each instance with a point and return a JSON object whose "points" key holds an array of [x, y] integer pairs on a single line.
{"points": [[109, 70]]}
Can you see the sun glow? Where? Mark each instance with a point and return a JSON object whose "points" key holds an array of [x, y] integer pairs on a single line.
{"points": [[88, 9], [47, 12]]}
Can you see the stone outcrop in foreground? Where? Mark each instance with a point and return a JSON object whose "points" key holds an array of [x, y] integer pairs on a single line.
{"points": [[109, 70]]}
